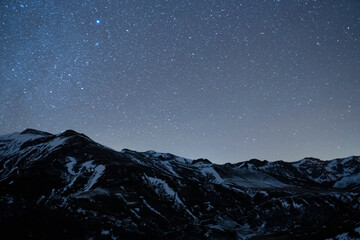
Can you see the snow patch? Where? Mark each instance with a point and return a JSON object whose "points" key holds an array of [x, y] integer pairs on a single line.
{"points": [[347, 181], [70, 165], [285, 204], [183, 160], [345, 160], [331, 164], [208, 206], [254, 179], [13, 142], [162, 186], [135, 214], [265, 193], [168, 166], [21, 138], [295, 205], [151, 208], [105, 232], [343, 236], [214, 175], [42, 197], [89, 165], [56, 142], [99, 170], [159, 182]]}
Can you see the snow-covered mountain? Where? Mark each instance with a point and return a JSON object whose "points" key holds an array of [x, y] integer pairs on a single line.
{"points": [[67, 186]]}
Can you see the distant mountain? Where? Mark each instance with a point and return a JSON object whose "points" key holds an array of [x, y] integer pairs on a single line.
{"points": [[67, 186]]}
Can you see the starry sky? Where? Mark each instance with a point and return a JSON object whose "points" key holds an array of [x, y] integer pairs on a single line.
{"points": [[225, 80]]}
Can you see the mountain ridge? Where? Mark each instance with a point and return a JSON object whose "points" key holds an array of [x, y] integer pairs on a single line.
{"points": [[70, 132], [145, 195]]}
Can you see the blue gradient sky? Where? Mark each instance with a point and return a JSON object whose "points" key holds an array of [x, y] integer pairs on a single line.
{"points": [[223, 80]]}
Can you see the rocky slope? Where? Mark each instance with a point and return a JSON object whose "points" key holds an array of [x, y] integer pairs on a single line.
{"points": [[67, 186]]}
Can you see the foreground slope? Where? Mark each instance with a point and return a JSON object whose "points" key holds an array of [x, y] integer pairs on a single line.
{"points": [[67, 186]]}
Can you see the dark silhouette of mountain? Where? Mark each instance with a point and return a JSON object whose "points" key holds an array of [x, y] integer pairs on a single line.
{"points": [[67, 186]]}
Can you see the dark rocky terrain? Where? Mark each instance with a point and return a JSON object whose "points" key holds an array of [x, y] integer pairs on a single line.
{"points": [[67, 186]]}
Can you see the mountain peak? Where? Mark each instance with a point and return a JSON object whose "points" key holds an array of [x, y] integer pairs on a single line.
{"points": [[35, 132], [72, 133], [312, 159], [69, 133], [201, 160], [257, 162]]}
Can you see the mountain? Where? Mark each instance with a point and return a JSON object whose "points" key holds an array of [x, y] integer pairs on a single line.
{"points": [[66, 186]]}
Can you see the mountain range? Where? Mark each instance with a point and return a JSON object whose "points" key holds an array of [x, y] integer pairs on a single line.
{"points": [[67, 186]]}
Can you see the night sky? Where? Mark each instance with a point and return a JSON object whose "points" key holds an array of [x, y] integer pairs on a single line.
{"points": [[224, 80]]}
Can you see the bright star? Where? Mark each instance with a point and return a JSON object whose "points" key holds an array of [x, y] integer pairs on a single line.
{"points": [[97, 21]]}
